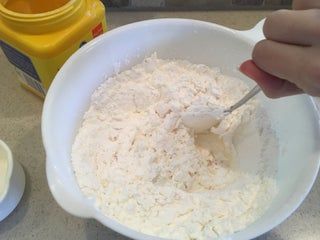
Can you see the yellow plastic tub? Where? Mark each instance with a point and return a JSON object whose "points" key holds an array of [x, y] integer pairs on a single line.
{"points": [[38, 36]]}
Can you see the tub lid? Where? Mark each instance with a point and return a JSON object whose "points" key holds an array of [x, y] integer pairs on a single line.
{"points": [[5, 169]]}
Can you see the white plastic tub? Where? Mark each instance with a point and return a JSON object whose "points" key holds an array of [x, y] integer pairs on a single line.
{"points": [[12, 181]]}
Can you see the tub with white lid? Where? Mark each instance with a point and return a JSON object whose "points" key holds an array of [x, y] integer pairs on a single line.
{"points": [[12, 181]]}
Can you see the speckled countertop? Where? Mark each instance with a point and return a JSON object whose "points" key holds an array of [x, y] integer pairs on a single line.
{"points": [[39, 217]]}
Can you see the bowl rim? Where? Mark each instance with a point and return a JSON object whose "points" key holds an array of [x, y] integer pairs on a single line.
{"points": [[241, 36]]}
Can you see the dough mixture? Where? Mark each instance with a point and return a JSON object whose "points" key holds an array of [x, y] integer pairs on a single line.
{"points": [[144, 168]]}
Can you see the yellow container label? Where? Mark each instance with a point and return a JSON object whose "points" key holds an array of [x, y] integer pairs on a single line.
{"points": [[38, 57]]}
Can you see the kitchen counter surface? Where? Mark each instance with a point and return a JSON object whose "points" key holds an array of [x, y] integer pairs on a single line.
{"points": [[38, 216]]}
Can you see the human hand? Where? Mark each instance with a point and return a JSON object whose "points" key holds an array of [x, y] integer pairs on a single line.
{"points": [[288, 61]]}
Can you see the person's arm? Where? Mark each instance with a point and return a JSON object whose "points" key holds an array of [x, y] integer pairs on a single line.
{"points": [[288, 61]]}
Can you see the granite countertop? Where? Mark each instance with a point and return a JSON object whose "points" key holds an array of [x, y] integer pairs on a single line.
{"points": [[39, 217]]}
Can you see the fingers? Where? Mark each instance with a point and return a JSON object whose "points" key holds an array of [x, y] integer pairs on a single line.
{"points": [[305, 4], [278, 59], [295, 27], [297, 64], [272, 86], [289, 61]]}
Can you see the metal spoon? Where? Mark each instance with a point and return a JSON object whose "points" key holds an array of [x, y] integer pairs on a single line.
{"points": [[254, 91], [203, 120]]}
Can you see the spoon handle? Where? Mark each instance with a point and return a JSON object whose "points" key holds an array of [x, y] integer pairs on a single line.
{"points": [[254, 91]]}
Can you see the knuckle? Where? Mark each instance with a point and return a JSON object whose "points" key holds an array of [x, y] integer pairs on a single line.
{"points": [[313, 73], [271, 93], [270, 24], [305, 4], [315, 92], [315, 31], [258, 50], [273, 23], [309, 79]]}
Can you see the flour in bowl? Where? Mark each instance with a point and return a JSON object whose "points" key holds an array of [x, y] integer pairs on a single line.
{"points": [[150, 172]]}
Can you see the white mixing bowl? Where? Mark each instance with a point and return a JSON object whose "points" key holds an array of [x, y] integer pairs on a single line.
{"points": [[295, 119]]}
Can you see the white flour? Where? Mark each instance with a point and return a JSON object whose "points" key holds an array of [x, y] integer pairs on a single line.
{"points": [[148, 171]]}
